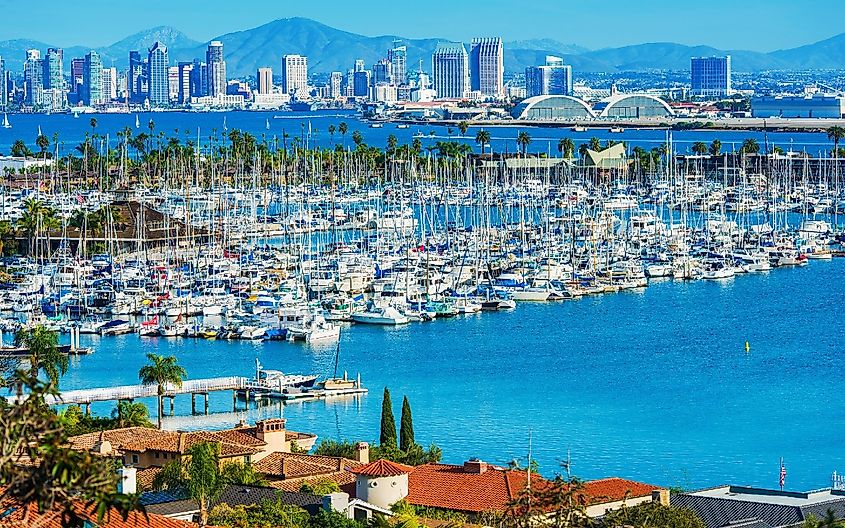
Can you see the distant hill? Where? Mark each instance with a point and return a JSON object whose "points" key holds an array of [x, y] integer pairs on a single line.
{"points": [[329, 49]]}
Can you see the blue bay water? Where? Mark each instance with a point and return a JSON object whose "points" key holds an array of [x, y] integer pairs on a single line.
{"points": [[71, 131], [652, 385]]}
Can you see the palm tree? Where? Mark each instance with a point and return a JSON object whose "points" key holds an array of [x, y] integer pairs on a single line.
{"points": [[93, 124], [566, 147], [7, 234], [36, 217], [130, 414], [160, 372], [715, 148], [343, 128], [201, 475], [463, 126], [750, 146], [43, 353], [482, 138], [699, 148], [836, 134], [332, 130], [595, 144], [523, 139]]}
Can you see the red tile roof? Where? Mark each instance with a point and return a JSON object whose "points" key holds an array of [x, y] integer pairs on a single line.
{"points": [[616, 489], [16, 516], [383, 468], [454, 488], [451, 487]]}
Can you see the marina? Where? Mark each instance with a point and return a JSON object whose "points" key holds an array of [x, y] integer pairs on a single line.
{"points": [[550, 287]]}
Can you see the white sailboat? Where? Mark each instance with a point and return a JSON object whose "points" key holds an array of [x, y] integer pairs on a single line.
{"points": [[6, 121], [137, 122]]}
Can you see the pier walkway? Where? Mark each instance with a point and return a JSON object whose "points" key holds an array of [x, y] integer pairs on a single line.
{"points": [[131, 392]]}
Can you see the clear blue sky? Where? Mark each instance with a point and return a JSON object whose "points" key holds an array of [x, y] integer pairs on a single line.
{"points": [[760, 25]]}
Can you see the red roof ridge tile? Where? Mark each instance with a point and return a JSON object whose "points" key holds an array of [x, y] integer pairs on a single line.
{"points": [[383, 468]]}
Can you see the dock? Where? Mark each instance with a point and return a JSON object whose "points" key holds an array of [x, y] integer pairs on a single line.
{"points": [[240, 386]]}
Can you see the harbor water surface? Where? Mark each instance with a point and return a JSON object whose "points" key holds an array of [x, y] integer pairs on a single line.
{"points": [[654, 385]]}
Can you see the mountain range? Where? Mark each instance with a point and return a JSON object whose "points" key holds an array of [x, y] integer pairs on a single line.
{"points": [[329, 49]]}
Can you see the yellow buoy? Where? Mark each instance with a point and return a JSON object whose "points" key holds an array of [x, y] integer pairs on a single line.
{"points": [[747, 347]]}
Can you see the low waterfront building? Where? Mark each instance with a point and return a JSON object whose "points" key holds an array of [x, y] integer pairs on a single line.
{"points": [[611, 158], [740, 506], [633, 106], [20, 164], [553, 107], [817, 106]]}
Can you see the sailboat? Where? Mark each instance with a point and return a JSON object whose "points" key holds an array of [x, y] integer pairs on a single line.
{"points": [[6, 121], [39, 130], [267, 124], [335, 383], [137, 122]]}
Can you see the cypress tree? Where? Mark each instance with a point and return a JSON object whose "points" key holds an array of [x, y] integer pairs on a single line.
{"points": [[406, 427], [388, 423]]}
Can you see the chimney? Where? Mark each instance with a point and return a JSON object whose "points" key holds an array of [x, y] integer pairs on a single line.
{"points": [[362, 452], [338, 502], [180, 447], [127, 480], [272, 432], [661, 496], [475, 466]]}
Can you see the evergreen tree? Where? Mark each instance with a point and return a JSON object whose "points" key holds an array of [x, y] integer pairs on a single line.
{"points": [[388, 423], [406, 427]]}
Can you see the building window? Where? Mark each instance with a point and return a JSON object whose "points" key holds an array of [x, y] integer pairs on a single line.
{"points": [[373, 484], [157, 455], [247, 459], [134, 459]]}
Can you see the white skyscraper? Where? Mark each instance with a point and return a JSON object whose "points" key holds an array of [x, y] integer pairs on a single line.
{"points": [[450, 67], [294, 73], [109, 84]]}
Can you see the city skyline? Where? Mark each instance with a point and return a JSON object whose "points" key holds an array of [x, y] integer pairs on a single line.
{"points": [[617, 23]]}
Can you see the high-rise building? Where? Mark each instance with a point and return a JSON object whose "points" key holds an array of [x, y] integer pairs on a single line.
{"points": [[487, 67], [138, 78], [398, 58], [216, 69], [264, 77], [186, 73], [92, 84], [199, 79], [294, 73], [77, 76], [335, 83], [360, 65], [382, 72], [54, 73], [711, 76], [553, 78], [159, 77], [173, 83], [361, 84], [33, 77], [450, 66], [109, 84]]}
